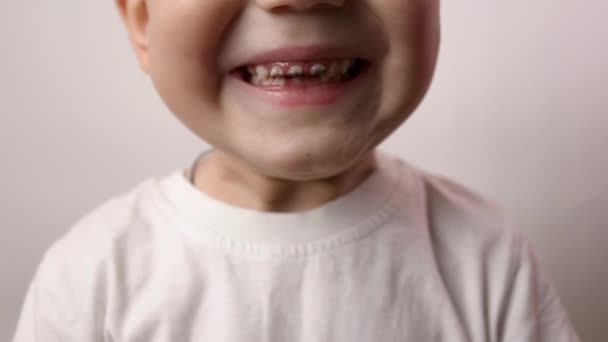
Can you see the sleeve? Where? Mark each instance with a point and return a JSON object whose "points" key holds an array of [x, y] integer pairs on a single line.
{"points": [[54, 306], [534, 312], [26, 323], [46, 314]]}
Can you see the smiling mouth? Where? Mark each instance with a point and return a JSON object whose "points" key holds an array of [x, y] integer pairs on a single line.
{"points": [[300, 74]]}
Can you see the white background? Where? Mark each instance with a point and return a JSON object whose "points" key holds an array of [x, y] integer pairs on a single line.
{"points": [[518, 112]]}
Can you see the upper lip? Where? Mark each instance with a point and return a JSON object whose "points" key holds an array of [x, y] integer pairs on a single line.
{"points": [[304, 53]]}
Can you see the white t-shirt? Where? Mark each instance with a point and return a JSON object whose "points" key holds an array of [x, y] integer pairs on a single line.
{"points": [[406, 256]]}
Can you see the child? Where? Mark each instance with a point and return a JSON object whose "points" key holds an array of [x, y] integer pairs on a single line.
{"points": [[293, 227]]}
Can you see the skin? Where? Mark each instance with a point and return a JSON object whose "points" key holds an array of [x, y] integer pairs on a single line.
{"points": [[268, 157]]}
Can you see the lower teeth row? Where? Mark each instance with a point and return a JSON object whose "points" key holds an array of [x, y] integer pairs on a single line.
{"points": [[282, 81]]}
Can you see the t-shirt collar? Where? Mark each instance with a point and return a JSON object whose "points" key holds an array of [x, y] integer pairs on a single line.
{"points": [[352, 211]]}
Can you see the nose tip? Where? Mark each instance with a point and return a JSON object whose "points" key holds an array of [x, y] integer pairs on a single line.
{"points": [[298, 5]]}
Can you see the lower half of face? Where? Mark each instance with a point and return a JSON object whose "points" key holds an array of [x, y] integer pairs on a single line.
{"points": [[253, 81]]}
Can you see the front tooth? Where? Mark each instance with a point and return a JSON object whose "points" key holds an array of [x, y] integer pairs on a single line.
{"points": [[295, 70], [318, 69], [261, 71], [276, 71]]}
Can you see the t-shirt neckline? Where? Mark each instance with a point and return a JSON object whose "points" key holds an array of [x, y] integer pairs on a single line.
{"points": [[342, 219]]}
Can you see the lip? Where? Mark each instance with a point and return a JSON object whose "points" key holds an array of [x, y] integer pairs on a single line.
{"points": [[303, 53]]}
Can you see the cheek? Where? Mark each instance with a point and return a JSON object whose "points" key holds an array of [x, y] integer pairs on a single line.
{"points": [[412, 28], [185, 38]]}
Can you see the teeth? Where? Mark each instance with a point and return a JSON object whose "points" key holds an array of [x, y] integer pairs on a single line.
{"points": [[276, 74], [261, 71], [317, 69], [276, 71], [295, 70], [265, 81], [346, 64], [279, 82], [256, 79], [268, 81], [334, 69]]}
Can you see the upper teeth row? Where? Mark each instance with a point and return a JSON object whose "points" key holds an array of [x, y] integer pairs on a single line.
{"points": [[317, 69]]}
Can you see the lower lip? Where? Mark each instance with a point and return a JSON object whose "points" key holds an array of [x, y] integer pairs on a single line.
{"points": [[297, 96]]}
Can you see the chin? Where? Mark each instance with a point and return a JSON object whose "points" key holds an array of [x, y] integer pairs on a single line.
{"points": [[304, 163]]}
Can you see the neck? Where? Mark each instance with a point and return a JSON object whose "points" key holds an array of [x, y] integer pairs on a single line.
{"points": [[230, 181]]}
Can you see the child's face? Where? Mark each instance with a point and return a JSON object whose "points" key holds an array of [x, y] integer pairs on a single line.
{"points": [[208, 59]]}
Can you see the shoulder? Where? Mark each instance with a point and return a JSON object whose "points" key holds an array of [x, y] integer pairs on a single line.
{"points": [[448, 199], [456, 214], [467, 234], [71, 284], [79, 268], [89, 243], [487, 266]]}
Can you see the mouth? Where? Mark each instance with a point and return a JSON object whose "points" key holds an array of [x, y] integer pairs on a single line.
{"points": [[318, 75], [285, 75]]}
